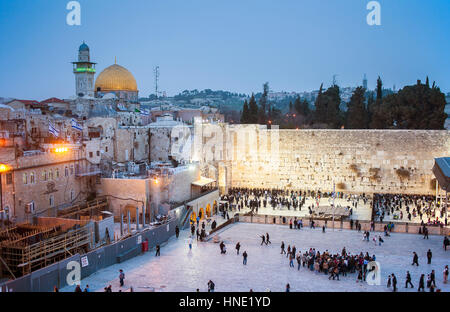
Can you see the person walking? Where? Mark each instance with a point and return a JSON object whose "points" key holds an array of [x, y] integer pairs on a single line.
{"points": [[429, 255], [425, 233], [177, 231], [282, 248], [394, 282], [415, 259], [158, 250], [263, 239], [238, 246], [121, 277], [446, 274], [389, 282], [245, 255], [288, 288], [433, 278], [267, 239], [78, 289], [211, 286], [299, 261], [291, 260], [408, 280], [421, 283]]}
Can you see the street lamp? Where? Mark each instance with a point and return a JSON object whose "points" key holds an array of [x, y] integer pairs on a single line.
{"points": [[3, 168]]}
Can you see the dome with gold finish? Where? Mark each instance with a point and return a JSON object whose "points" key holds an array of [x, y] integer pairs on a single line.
{"points": [[115, 78]]}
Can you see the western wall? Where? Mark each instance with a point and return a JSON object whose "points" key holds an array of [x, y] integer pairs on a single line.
{"points": [[384, 161]]}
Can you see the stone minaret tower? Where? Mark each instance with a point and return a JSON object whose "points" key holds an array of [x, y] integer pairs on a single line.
{"points": [[84, 71]]}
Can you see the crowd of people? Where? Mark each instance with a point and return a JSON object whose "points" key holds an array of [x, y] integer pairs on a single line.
{"points": [[407, 208]]}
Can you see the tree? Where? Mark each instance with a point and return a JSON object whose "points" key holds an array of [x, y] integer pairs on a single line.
{"points": [[262, 119], [321, 109], [376, 111], [245, 113], [253, 110], [332, 101], [357, 112]]}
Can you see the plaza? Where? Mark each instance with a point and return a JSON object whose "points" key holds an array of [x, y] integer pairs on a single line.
{"points": [[180, 270]]}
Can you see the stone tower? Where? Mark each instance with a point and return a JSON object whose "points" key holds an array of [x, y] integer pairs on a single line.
{"points": [[84, 71]]}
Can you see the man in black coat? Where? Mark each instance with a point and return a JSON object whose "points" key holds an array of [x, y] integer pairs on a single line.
{"points": [[429, 255], [415, 259], [408, 280], [394, 282]]}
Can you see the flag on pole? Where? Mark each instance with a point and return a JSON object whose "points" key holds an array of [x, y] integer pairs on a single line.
{"points": [[53, 130], [144, 112], [76, 125]]}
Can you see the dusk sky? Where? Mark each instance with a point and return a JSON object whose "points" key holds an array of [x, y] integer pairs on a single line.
{"points": [[230, 45]]}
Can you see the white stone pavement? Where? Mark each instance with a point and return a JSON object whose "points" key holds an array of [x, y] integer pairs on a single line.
{"points": [[180, 270]]}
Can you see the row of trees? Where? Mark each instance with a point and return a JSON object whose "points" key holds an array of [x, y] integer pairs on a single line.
{"points": [[413, 107]]}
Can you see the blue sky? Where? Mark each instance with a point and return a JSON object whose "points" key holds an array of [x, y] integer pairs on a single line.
{"points": [[233, 45]]}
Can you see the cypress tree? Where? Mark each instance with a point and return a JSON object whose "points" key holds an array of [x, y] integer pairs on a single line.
{"points": [[245, 113]]}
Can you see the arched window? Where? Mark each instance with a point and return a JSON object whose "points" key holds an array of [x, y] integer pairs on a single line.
{"points": [[25, 178], [44, 175], [57, 173], [66, 171], [50, 175], [32, 181], [52, 200], [72, 195]]}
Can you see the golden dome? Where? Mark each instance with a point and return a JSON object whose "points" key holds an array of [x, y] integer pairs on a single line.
{"points": [[115, 78]]}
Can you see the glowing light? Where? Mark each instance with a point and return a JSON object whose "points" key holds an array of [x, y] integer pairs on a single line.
{"points": [[4, 168], [60, 150], [156, 181]]}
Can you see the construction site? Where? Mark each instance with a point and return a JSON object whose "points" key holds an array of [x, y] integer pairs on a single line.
{"points": [[27, 247]]}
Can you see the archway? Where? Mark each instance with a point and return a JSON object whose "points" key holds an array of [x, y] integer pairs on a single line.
{"points": [[193, 217], [208, 210], [214, 207], [201, 213]]}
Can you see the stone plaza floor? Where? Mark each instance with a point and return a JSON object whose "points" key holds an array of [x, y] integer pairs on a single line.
{"points": [[180, 270]]}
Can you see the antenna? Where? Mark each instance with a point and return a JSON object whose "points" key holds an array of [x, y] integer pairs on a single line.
{"points": [[156, 71]]}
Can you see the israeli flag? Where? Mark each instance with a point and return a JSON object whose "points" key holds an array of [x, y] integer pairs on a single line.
{"points": [[144, 112], [53, 130], [76, 125]]}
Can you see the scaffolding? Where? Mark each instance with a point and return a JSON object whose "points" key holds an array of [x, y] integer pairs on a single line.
{"points": [[25, 248]]}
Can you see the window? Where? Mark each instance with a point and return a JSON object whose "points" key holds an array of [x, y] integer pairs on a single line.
{"points": [[90, 155], [44, 175], [98, 153], [72, 195], [9, 178], [57, 173], [32, 181], [50, 175], [106, 149], [25, 178], [66, 171], [71, 170], [51, 200]]}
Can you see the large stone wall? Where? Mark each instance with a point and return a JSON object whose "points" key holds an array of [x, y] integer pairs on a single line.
{"points": [[355, 160]]}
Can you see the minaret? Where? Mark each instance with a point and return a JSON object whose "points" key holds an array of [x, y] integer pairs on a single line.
{"points": [[84, 71], [365, 82]]}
